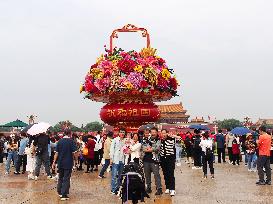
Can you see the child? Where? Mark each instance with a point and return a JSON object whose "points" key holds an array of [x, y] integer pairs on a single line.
{"points": [[235, 151]]}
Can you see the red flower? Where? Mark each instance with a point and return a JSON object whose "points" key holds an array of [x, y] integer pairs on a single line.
{"points": [[126, 65], [144, 84], [107, 73], [90, 87], [94, 66], [161, 82], [173, 83]]}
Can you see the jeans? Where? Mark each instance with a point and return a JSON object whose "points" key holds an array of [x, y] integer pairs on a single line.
{"points": [[105, 166], [42, 158], [246, 157], [264, 162], [207, 159], [178, 149], [221, 154], [64, 181], [251, 161], [116, 176], [148, 169], [22, 160], [168, 166], [12, 155]]}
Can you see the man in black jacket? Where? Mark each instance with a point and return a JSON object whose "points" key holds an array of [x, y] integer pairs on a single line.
{"points": [[197, 151]]}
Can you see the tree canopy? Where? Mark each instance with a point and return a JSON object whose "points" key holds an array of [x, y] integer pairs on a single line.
{"points": [[229, 124], [93, 126]]}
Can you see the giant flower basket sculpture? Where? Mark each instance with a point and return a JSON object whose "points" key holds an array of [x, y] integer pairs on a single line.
{"points": [[130, 82]]}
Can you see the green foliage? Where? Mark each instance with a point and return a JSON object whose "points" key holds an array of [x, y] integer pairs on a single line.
{"points": [[229, 124], [93, 126], [59, 127]]}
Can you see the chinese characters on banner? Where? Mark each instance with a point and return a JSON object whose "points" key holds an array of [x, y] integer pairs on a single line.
{"points": [[112, 113]]}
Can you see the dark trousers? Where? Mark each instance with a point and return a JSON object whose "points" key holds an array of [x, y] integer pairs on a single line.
{"points": [[168, 166], [22, 160], [230, 155], [236, 158], [150, 167], [264, 162], [90, 163], [197, 154], [64, 181], [207, 159], [105, 166], [221, 154], [42, 158], [98, 157]]}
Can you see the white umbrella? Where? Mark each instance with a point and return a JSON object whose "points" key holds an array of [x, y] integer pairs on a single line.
{"points": [[38, 128]]}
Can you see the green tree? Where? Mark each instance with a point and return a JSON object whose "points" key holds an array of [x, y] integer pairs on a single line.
{"points": [[229, 124], [59, 127], [93, 126]]}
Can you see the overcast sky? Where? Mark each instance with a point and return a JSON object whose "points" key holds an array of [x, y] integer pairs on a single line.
{"points": [[221, 51]]}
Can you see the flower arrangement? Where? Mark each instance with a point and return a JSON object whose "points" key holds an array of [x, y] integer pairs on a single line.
{"points": [[120, 71]]}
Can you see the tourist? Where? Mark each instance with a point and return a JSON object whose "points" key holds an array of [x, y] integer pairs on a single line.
{"points": [[251, 152], [167, 160], [2, 147], [178, 150], [243, 148], [30, 167], [117, 160], [90, 158], [65, 154], [81, 158], [106, 153], [229, 139], [189, 148], [41, 142], [207, 154], [22, 157], [126, 148], [135, 149], [220, 139], [236, 150], [98, 150], [12, 149], [264, 146], [151, 149], [197, 151]]}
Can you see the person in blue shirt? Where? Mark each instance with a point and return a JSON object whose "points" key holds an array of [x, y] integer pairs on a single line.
{"points": [[65, 153], [221, 145], [22, 157]]}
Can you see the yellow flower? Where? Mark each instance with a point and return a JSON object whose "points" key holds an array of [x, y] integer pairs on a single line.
{"points": [[151, 75], [165, 73], [128, 85], [100, 59], [138, 68], [96, 73], [81, 88], [147, 52]]}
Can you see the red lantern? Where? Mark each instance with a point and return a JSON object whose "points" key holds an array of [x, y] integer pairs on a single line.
{"points": [[132, 114]]}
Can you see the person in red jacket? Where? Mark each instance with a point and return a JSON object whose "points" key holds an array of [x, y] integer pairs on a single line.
{"points": [[91, 154], [236, 151]]}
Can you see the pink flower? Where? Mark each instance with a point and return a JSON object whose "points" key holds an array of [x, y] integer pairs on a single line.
{"points": [[135, 78]]}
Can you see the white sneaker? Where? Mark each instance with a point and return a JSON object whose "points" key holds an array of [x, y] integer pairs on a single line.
{"points": [[7, 173], [194, 167], [36, 178], [254, 170], [178, 164], [167, 191], [187, 162], [249, 170], [30, 177], [172, 193]]}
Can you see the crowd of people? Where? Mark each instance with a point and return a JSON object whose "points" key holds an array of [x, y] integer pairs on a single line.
{"points": [[154, 151]]}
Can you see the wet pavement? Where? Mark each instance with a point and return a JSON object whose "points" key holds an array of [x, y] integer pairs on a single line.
{"points": [[232, 185]]}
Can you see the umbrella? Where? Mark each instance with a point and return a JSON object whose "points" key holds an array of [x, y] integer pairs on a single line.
{"points": [[240, 131], [25, 129], [199, 127], [17, 123], [146, 127], [38, 128]]}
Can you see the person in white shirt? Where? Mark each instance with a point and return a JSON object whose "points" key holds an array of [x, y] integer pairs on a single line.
{"points": [[135, 149], [98, 150], [207, 154]]}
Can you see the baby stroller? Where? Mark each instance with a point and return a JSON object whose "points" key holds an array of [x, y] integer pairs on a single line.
{"points": [[133, 184]]}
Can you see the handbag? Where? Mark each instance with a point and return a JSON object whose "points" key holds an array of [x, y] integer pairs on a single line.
{"points": [[85, 151]]}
